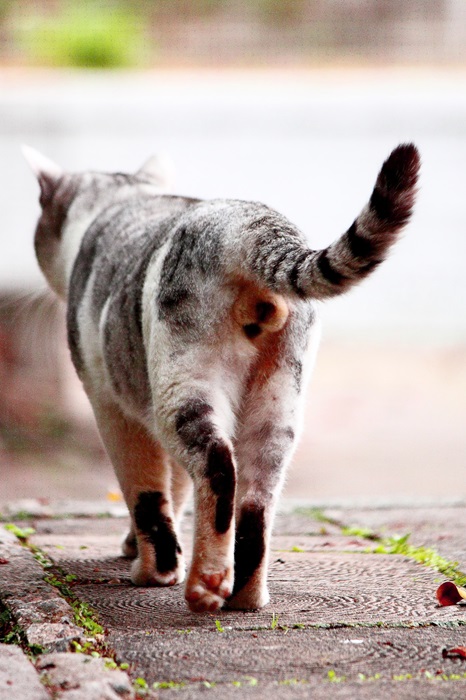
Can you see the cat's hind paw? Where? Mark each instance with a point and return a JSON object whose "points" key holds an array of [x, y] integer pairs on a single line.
{"points": [[249, 599], [208, 592], [148, 576]]}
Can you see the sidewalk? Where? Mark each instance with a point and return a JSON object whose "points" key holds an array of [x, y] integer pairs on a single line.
{"points": [[344, 621]]}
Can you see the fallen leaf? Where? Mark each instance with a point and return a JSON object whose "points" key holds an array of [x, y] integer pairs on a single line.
{"points": [[449, 593], [454, 653], [114, 496], [4, 561]]}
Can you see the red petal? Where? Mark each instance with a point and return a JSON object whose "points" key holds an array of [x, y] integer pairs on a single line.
{"points": [[448, 594], [456, 652]]}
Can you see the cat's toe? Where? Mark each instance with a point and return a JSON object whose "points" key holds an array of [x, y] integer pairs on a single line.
{"points": [[201, 600], [208, 592]]}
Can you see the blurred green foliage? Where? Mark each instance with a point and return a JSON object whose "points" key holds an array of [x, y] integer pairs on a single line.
{"points": [[141, 33], [86, 34], [4, 7]]}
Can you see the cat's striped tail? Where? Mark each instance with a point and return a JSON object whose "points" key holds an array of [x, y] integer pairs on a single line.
{"points": [[319, 274]]}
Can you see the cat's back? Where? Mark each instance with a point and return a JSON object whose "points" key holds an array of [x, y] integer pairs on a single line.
{"points": [[105, 292]]}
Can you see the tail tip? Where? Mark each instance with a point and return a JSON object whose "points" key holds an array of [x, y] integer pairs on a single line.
{"points": [[402, 166]]}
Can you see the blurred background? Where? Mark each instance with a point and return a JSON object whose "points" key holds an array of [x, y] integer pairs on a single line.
{"points": [[295, 104]]}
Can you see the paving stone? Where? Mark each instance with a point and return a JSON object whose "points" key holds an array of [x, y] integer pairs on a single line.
{"points": [[60, 547], [347, 690], [63, 508], [318, 543], [305, 588], [297, 522], [23, 589], [18, 677], [81, 677], [287, 522], [53, 636], [294, 659], [76, 527]]}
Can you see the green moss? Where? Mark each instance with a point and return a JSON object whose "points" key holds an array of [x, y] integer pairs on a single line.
{"points": [[251, 680], [427, 675], [17, 515], [365, 532], [9, 632], [22, 533], [219, 627], [399, 544], [395, 544], [362, 677], [172, 685], [84, 615], [333, 678]]}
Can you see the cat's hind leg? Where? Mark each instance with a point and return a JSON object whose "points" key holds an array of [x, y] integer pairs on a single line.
{"points": [[129, 546], [143, 470], [265, 444], [197, 423], [269, 425], [181, 489]]}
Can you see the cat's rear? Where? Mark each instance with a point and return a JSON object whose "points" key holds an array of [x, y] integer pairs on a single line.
{"points": [[192, 326]]}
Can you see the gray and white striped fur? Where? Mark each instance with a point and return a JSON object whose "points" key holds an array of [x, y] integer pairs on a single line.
{"points": [[192, 326]]}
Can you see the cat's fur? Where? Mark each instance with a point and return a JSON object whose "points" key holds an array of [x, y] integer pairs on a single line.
{"points": [[192, 326]]}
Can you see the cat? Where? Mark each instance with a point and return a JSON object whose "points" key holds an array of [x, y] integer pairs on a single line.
{"points": [[193, 328]]}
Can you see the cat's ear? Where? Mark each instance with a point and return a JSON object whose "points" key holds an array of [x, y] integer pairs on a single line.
{"points": [[47, 172], [159, 168]]}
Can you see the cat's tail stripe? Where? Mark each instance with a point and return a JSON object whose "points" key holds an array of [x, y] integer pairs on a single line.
{"points": [[320, 274]]}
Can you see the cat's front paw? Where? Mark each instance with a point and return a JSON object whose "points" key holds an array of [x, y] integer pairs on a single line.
{"points": [[207, 592], [146, 575]]}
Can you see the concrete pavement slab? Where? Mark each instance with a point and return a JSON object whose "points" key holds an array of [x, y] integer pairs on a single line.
{"points": [[18, 678], [81, 677], [381, 690], [309, 589], [318, 659], [42, 613], [324, 583]]}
